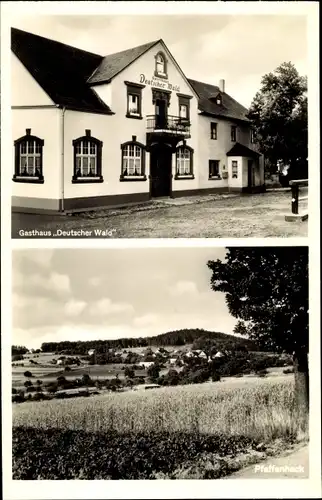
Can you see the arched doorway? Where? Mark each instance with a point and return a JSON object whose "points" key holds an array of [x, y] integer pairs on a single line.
{"points": [[160, 170]]}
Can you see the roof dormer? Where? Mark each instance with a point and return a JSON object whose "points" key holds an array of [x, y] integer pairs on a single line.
{"points": [[216, 98]]}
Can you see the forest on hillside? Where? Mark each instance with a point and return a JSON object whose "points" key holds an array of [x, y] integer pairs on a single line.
{"points": [[173, 338]]}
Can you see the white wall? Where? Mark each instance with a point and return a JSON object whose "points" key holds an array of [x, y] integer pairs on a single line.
{"points": [[104, 92], [25, 91], [45, 124], [217, 149]]}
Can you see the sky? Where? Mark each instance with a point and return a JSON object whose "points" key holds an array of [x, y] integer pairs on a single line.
{"points": [[237, 48], [90, 294]]}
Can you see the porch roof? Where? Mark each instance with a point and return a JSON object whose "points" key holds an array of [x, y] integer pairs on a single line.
{"points": [[241, 150]]}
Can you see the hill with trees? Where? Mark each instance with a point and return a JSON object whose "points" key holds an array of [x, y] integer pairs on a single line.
{"points": [[173, 338]]}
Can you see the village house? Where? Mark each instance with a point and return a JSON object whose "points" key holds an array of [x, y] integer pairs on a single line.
{"points": [[92, 131], [146, 364], [91, 352]]}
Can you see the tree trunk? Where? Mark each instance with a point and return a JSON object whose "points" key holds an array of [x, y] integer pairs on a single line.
{"points": [[301, 375]]}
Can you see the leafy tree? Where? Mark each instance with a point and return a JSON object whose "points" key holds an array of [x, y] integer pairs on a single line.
{"points": [[27, 374], [129, 372], [61, 380], [86, 379], [18, 349], [279, 118], [28, 383], [240, 328], [267, 287], [153, 371], [52, 388], [17, 357]]}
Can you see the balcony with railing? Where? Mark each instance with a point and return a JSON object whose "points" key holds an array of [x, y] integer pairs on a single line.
{"points": [[169, 125]]}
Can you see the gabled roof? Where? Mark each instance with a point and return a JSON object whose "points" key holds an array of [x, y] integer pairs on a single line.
{"points": [[113, 64], [62, 71], [207, 102], [240, 150]]}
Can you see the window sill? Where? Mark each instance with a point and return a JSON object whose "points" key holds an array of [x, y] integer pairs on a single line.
{"points": [[179, 177], [215, 178], [136, 117], [30, 180], [213, 138], [87, 180], [132, 178], [161, 75]]}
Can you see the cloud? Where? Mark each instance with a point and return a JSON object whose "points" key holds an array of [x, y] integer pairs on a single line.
{"points": [[55, 282], [184, 287], [74, 307], [105, 307], [145, 320], [59, 282], [95, 281]]}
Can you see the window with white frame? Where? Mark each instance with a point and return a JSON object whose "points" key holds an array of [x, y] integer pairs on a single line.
{"points": [[233, 133], [87, 159], [133, 161], [160, 65], [183, 111], [133, 104], [29, 159], [184, 161], [234, 169]]}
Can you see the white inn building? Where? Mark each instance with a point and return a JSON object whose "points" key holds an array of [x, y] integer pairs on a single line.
{"points": [[92, 131]]}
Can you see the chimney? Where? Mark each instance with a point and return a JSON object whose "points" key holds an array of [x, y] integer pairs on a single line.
{"points": [[222, 85]]}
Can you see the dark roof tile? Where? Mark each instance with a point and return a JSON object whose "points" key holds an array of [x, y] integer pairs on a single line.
{"points": [[240, 150], [113, 64], [62, 71], [207, 102]]}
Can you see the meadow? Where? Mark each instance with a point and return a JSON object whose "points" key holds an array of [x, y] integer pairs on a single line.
{"points": [[194, 431]]}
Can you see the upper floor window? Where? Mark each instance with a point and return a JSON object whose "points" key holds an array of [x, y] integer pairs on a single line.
{"points": [[214, 172], [87, 159], [29, 159], [133, 161], [219, 100], [252, 135], [134, 100], [184, 106], [160, 65], [234, 169], [183, 111], [184, 162], [233, 133], [213, 130]]}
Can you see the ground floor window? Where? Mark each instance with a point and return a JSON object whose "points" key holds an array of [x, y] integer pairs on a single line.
{"points": [[29, 159], [133, 161], [234, 169], [184, 162], [214, 172], [87, 159]]}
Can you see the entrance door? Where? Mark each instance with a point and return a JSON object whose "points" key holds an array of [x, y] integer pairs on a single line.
{"points": [[160, 114], [251, 174], [160, 170]]}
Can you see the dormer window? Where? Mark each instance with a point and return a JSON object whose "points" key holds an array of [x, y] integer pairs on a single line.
{"points": [[160, 65], [218, 100]]}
